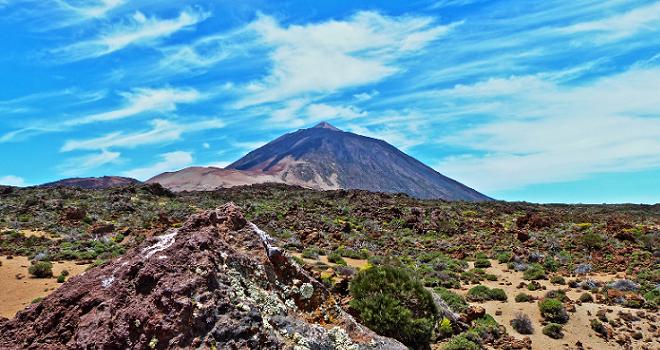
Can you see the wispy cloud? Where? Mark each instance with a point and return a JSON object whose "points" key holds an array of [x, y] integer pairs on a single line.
{"points": [[544, 132], [83, 164], [324, 57], [168, 162], [141, 100], [644, 18], [161, 131], [137, 30]]}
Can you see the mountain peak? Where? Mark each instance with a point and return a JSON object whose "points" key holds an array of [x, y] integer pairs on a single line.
{"points": [[325, 125]]}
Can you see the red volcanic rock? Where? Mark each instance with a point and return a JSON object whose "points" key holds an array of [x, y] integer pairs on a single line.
{"points": [[217, 282]]}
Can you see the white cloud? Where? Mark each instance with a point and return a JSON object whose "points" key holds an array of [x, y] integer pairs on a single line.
{"points": [[321, 111], [141, 100], [546, 132], [137, 30], [79, 165], [206, 145], [646, 18], [161, 131], [11, 180], [328, 56], [169, 162], [93, 9], [365, 96]]}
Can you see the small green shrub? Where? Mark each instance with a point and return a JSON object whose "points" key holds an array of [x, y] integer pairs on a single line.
{"points": [[523, 298], [393, 303], [462, 342], [558, 280], [504, 258], [310, 253], [445, 329], [586, 297], [482, 293], [534, 272], [482, 263], [592, 240], [553, 310], [61, 279], [41, 269], [455, 302], [554, 331], [336, 259]]}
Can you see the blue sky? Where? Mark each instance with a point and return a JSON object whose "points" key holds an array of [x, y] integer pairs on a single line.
{"points": [[545, 101]]}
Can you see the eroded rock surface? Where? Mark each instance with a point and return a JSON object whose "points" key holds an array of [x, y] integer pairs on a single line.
{"points": [[217, 282]]}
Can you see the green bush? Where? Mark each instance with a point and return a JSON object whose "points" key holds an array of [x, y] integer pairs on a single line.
{"points": [[557, 280], [586, 298], [523, 298], [334, 257], [553, 310], [482, 263], [482, 293], [455, 302], [61, 279], [534, 272], [310, 253], [592, 240], [393, 303], [553, 330], [445, 329], [41, 269], [461, 342], [504, 258]]}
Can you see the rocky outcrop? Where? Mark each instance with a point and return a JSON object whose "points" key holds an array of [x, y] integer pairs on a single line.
{"points": [[217, 282]]}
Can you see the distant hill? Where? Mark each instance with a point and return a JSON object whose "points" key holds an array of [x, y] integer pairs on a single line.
{"points": [[93, 182], [324, 157]]}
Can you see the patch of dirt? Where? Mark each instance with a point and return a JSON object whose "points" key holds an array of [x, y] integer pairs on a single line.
{"points": [[577, 329], [19, 293], [356, 263]]}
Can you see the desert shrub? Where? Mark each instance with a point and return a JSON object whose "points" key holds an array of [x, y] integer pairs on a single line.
{"points": [[41, 269], [586, 298], [394, 304], [462, 342], [310, 253], [534, 272], [487, 328], [445, 330], [335, 258], [490, 277], [553, 310], [504, 258], [522, 324], [497, 294], [483, 293], [298, 260], [61, 279], [553, 330], [592, 240], [558, 280], [550, 263], [533, 286], [556, 294], [455, 302], [482, 263], [523, 298]]}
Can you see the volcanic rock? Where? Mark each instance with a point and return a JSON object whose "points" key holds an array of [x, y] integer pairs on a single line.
{"points": [[215, 283]]}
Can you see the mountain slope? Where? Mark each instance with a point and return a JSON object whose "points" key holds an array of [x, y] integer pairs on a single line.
{"points": [[326, 158], [93, 182]]}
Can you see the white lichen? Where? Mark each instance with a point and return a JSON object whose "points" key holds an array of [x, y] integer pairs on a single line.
{"points": [[162, 242], [306, 291]]}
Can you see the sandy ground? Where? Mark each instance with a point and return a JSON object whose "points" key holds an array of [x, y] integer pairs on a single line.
{"points": [[356, 263], [16, 294], [578, 327], [33, 233]]}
